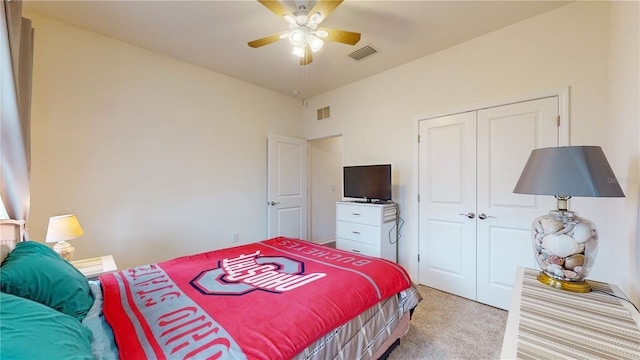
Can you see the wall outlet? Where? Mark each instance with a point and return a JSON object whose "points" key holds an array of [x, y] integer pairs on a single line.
{"points": [[236, 237]]}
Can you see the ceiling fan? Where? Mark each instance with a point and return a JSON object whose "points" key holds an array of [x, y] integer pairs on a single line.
{"points": [[304, 33]]}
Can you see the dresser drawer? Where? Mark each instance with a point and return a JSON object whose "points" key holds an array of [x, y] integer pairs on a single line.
{"points": [[358, 247], [359, 213], [363, 233]]}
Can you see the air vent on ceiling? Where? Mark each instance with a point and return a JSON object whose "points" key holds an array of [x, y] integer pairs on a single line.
{"points": [[324, 113], [363, 53]]}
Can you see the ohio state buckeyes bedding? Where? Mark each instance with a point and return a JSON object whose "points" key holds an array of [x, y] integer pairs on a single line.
{"points": [[267, 300]]}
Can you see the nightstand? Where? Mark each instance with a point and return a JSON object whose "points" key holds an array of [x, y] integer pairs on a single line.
{"points": [[546, 323], [94, 267]]}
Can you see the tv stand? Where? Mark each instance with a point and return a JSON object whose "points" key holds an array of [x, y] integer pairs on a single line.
{"points": [[367, 229]]}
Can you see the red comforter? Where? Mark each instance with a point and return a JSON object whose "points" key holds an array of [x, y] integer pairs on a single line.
{"points": [[267, 300]]}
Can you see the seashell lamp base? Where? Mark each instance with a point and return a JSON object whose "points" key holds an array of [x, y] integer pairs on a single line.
{"points": [[565, 247]]}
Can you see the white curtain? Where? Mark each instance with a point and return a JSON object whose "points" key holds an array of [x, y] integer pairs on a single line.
{"points": [[16, 63]]}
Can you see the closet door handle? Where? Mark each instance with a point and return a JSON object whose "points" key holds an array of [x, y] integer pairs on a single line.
{"points": [[483, 216], [470, 215]]}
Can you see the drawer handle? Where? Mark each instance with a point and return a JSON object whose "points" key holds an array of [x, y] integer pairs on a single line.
{"points": [[356, 232], [356, 251], [355, 214]]}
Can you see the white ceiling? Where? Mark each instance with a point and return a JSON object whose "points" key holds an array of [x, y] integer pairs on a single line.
{"points": [[214, 34]]}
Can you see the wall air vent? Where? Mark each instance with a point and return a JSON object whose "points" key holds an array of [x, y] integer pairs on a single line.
{"points": [[324, 113], [363, 53]]}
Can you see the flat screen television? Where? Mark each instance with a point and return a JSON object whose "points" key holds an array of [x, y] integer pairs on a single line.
{"points": [[368, 182]]}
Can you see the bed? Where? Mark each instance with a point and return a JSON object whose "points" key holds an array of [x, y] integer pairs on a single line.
{"points": [[276, 299]]}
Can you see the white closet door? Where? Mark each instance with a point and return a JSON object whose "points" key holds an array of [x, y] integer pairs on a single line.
{"points": [[506, 136], [469, 164], [447, 192]]}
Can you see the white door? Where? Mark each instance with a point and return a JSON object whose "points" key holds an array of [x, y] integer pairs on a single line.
{"points": [[447, 204], [287, 187], [473, 171], [506, 136]]}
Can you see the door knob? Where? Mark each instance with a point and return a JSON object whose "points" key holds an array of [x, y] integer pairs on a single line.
{"points": [[483, 216], [273, 203], [470, 215]]}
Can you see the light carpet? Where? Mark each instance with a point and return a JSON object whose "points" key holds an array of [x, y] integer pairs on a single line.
{"points": [[446, 326]]}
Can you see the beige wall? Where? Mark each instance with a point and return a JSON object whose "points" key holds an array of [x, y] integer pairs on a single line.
{"points": [[157, 158], [623, 135], [592, 47]]}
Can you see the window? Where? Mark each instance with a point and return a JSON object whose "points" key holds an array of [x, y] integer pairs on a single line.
{"points": [[3, 210]]}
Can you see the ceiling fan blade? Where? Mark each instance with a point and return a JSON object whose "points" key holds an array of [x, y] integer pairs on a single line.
{"points": [[341, 36], [266, 40], [276, 7], [325, 7], [307, 59]]}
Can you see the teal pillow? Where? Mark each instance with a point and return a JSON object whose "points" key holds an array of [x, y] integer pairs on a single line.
{"points": [[36, 272], [33, 331]]}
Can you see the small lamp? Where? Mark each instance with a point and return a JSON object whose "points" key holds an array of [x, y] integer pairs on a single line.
{"points": [[61, 228], [564, 244]]}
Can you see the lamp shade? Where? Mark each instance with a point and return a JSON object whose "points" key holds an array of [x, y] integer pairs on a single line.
{"points": [[568, 171], [63, 227]]}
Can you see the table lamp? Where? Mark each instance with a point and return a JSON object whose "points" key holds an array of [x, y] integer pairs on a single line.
{"points": [[61, 228], [564, 244]]}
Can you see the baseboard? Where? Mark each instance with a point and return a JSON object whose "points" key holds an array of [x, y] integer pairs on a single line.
{"points": [[326, 241]]}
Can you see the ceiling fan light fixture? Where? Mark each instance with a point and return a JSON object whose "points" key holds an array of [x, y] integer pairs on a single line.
{"points": [[322, 33], [305, 35], [315, 43], [290, 19], [298, 37], [301, 18], [315, 18], [298, 51]]}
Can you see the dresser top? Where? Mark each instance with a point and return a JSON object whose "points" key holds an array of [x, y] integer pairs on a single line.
{"points": [[366, 203]]}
